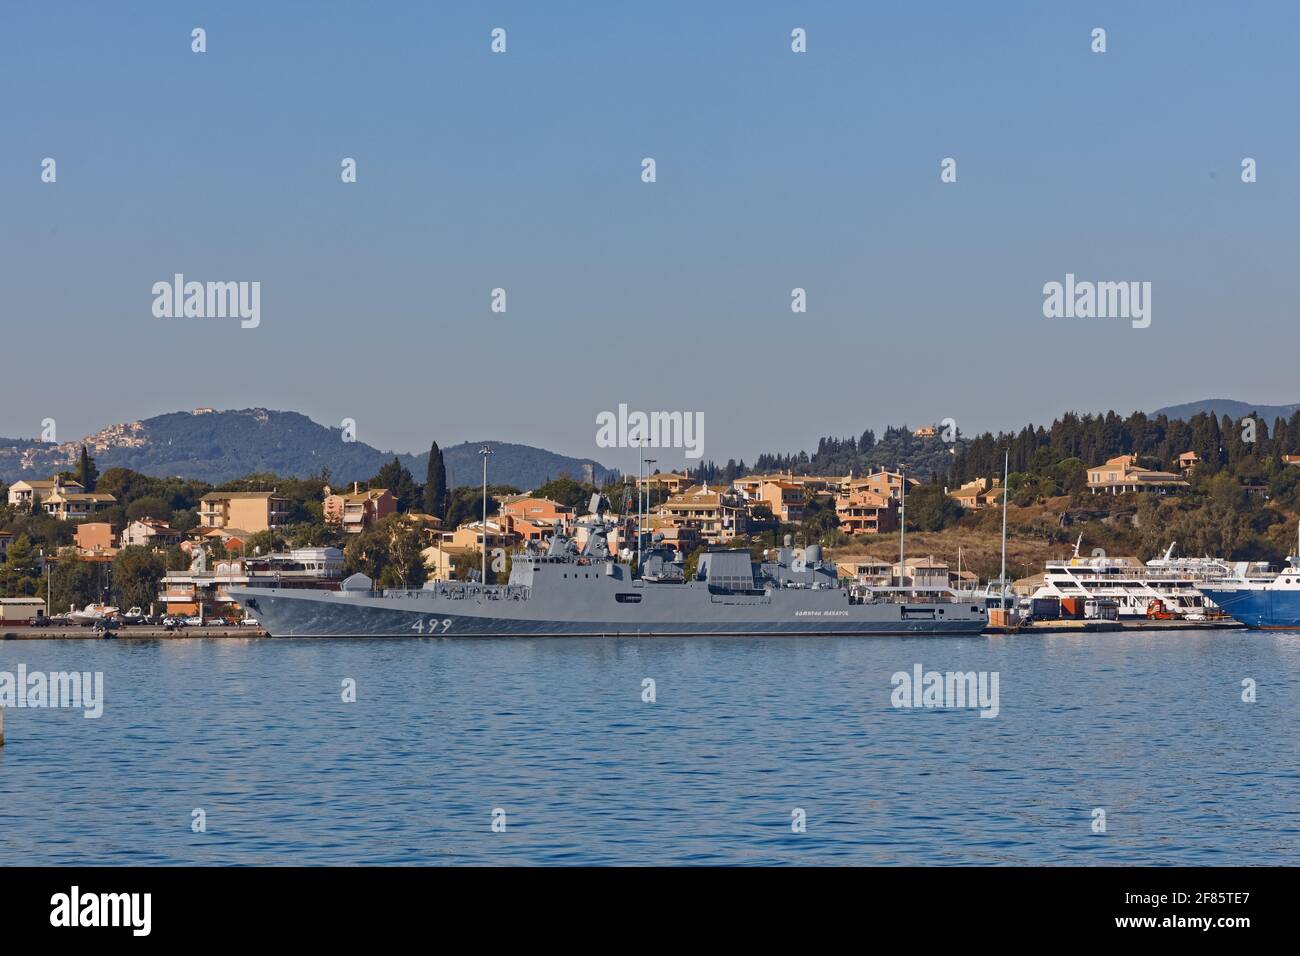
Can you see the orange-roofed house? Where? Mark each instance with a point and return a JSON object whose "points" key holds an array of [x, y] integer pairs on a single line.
{"points": [[1122, 474], [866, 512], [357, 510]]}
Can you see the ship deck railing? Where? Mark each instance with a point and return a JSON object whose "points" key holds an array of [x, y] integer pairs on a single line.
{"points": [[457, 590], [905, 595]]}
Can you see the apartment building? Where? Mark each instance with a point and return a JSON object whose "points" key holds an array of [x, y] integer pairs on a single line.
{"points": [[866, 569], [883, 482], [669, 481], [712, 512], [67, 506], [470, 538], [94, 536], [786, 499], [534, 518], [357, 510], [26, 493], [250, 511], [443, 565], [866, 512]]}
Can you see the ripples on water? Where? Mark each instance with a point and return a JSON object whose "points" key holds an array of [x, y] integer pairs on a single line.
{"points": [[1149, 727]]}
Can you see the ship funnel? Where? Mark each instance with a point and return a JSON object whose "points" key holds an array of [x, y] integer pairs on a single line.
{"points": [[812, 554]]}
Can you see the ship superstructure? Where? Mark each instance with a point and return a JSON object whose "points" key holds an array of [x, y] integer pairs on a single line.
{"points": [[560, 589]]}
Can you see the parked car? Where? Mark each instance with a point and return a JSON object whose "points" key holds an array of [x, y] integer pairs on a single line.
{"points": [[194, 621]]}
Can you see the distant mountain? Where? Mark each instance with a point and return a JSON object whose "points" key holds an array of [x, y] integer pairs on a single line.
{"points": [[218, 446], [1230, 407], [523, 466]]}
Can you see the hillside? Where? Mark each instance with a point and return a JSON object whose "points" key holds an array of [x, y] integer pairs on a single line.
{"points": [[1230, 407], [217, 446]]}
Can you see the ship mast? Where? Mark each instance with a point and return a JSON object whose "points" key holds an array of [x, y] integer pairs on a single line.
{"points": [[646, 512], [485, 451], [640, 486], [1002, 581], [902, 526]]}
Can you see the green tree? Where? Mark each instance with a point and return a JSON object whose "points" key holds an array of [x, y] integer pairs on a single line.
{"points": [[149, 507], [397, 479], [566, 491], [388, 553], [19, 574], [466, 503], [930, 509], [1072, 476], [137, 576], [405, 563], [265, 542], [819, 519], [309, 534], [87, 473], [435, 484], [74, 582]]}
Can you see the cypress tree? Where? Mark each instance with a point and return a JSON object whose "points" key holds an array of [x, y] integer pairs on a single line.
{"points": [[87, 473], [435, 484]]}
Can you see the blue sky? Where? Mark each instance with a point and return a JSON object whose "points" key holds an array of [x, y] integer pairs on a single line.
{"points": [[522, 171]]}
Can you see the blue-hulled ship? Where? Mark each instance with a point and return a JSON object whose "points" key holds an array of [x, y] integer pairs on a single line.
{"points": [[1263, 601]]}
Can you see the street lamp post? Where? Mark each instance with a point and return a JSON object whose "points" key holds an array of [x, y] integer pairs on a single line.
{"points": [[485, 451]]}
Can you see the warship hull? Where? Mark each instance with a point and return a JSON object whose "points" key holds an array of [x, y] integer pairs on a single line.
{"points": [[599, 609]]}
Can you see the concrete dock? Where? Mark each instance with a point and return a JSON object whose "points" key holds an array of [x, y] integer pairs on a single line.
{"points": [[1067, 626], [127, 633]]}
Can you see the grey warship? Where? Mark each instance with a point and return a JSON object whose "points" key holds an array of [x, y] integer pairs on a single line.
{"points": [[560, 589]]}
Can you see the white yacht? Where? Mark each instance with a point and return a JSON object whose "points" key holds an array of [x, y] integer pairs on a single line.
{"points": [[1164, 588], [1209, 570]]}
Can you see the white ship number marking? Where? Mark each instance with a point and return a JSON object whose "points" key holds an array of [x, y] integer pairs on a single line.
{"points": [[434, 624]]}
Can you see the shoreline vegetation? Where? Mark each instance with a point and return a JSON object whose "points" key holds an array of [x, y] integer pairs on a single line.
{"points": [[1241, 502]]}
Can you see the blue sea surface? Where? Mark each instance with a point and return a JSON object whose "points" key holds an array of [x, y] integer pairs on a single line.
{"points": [[1149, 728]]}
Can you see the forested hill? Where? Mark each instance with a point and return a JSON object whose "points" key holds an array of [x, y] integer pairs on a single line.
{"points": [[1082, 440], [218, 446], [1218, 407]]}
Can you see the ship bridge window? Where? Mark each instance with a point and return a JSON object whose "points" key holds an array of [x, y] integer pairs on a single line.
{"points": [[625, 598]]}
